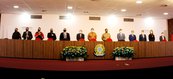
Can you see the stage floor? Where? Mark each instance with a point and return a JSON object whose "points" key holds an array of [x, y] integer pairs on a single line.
{"points": [[88, 65]]}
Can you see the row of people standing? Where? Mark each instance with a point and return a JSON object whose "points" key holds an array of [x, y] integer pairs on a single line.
{"points": [[92, 36]]}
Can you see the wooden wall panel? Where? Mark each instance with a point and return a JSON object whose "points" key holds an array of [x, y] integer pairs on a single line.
{"points": [[68, 43], [49, 49], [58, 48], [159, 49], [38, 49], [90, 49], [169, 48], [3, 47], [79, 43], [142, 50], [149, 49], [18, 48], [170, 28], [10, 48], [109, 47], [96, 57], [120, 44], [52, 49], [135, 45], [28, 48]]}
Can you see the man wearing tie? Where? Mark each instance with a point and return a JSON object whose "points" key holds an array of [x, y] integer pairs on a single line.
{"points": [[80, 36], [64, 36], [121, 36], [27, 35], [142, 36]]}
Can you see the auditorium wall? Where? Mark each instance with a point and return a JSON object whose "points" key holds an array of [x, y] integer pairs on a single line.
{"points": [[10, 21]]}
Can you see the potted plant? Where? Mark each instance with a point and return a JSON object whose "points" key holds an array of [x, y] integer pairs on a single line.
{"points": [[74, 53], [123, 53]]}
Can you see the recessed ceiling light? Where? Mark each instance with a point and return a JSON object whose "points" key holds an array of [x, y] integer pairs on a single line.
{"points": [[15, 6], [123, 10], [70, 7], [165, 13], [139, 2]]}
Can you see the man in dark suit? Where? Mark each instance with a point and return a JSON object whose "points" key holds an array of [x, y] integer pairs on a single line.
{"points": [[142, 36], [51, 35], [16, 34], [132, 36], [27, 35], [151, 36], [162, 37], [80, 36], [64, 36]]}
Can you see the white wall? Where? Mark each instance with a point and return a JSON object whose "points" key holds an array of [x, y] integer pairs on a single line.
{"points": [[10, 21]]}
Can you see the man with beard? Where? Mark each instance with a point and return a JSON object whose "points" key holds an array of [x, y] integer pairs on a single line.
{"points": [[51, 35], [27, 35]]}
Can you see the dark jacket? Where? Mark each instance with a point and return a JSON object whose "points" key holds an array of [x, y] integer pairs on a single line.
{"points": [[16, 35], [142, 38], [132, 37], [64, 39], [51, 35], [161, 39], [29, 34], [78, 36], [151, 37]]}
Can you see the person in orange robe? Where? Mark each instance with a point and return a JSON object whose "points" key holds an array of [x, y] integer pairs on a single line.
{"points": [[92, 36]]}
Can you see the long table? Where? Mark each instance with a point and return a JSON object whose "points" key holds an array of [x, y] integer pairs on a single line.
{"points": [[52, 49]]}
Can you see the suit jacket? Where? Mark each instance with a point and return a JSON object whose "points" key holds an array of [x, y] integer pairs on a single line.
{"points": [[51, 36], [16, 35], [64, 39], [142, 38], [161, 39], [121, 37], [151, 37], [29, 35], [132, 37], [78, 36]]}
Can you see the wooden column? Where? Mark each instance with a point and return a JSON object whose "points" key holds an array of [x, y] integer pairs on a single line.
{"points": [[170, 28], [28, 48]]}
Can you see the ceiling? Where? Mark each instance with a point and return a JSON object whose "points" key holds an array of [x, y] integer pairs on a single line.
{"points": [[148, 8]]}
